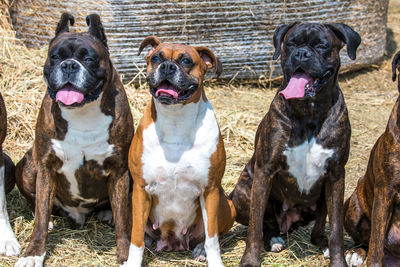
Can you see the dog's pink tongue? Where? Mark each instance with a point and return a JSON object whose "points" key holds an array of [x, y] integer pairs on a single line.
{"points": [[296, 86], [69, 96], [167, 90]]}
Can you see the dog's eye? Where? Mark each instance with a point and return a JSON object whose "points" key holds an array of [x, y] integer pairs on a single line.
{"points": [[186, 61], [321, 46], [54, 57], [290, 44], [155, 59], [89, 59]]}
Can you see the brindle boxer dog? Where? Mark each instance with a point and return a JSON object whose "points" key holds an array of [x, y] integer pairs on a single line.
{"points": [[372, 213], [296, 174], [177, 158], [79, 159], [8, 243]]}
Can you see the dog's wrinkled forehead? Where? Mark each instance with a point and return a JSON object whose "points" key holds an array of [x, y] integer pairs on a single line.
{"points": [[174, 52], [77, 42], [311, 34]]}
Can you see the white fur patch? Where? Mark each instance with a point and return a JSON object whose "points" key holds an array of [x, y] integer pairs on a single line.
{"points": [[135, 256], [211, 244], [176, 160], [77, 213], [8, 243], [277, 244], [327, 254], [31, 261], [86, 138], [353, 259], [307, 163]]}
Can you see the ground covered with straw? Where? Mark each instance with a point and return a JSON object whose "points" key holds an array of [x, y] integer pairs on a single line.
{"points": [[239, 106]]}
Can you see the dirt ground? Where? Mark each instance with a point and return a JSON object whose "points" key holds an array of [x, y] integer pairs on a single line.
{"points": [[369, 94]]}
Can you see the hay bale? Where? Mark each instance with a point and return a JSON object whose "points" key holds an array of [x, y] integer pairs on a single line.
{"points": [[5, 19], [238, 31]]}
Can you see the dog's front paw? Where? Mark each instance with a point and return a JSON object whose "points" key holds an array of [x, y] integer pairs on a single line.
{"points": [[30, 261], [355, 257], [135, 256], [250, 260], [8, 243], [9, 246], [327, 253]]}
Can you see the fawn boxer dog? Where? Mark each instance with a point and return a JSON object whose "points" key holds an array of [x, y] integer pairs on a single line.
{"points": [[79, 159], [296, 174], [8, 243], [177, 158], [372, 213]]}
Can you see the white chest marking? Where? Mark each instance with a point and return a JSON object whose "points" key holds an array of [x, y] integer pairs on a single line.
{"points": [[86, 138], [307, 163], [176, 160]]}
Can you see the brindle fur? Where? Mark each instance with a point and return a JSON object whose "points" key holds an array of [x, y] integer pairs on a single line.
{"points": [[265, 185], [372, 213], [5, 160], [37, 174]]}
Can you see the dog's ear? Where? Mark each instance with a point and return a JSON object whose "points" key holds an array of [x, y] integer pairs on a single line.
{"points": [[279, 34], [349, 36], [149, 40], [210, 59], [63, 24], [96, 28], [395, 64]]}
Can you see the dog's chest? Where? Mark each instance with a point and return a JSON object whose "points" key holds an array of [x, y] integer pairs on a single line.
{"points": [[307, 163], [86, 142], [176, 161]]}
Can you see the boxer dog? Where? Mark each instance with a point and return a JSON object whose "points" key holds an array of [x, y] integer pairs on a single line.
{"points": [[177, 158], [79, 159], [372, 213], [296, 174], [8, 243]]}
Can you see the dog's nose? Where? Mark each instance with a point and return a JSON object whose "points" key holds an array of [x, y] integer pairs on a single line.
{"points": [[167, 67], [302, 54], [69, 66]]}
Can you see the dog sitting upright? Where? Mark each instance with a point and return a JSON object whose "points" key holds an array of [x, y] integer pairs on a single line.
{"points": [[79, 159], [8, 243], [372, 213], [177, 158], [296, 174]]}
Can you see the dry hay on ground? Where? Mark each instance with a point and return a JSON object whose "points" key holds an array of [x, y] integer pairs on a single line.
{"points": [[239, 107]]}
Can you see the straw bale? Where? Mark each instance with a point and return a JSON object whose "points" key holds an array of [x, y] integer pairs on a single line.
{"points": [[238, 31]]}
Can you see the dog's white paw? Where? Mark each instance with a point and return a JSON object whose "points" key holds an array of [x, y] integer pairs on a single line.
{"points": [[9, 246], [199, 253], [50, 226], [354, 259], [135, 256], [277, 244], [30, 261], [327, 254], [8, 243]]}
